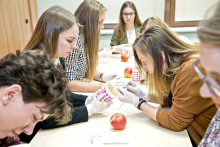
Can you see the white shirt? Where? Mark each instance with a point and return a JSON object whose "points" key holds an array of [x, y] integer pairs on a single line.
{"points": [[57, 61], [133, 37]]}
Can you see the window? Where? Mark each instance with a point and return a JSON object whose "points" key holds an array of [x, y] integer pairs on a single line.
{"points": [[182, 13]]}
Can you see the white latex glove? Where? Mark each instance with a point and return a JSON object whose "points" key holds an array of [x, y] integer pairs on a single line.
{"points": [[118, 48], [135, 89], [97, 105], [128, 97], [116, 82], [107, 77], [90, 98], [105, 53]]}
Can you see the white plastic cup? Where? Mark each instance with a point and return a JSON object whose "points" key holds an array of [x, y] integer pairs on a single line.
{"points": [[109, 93], [129, 51], [136, 76]]}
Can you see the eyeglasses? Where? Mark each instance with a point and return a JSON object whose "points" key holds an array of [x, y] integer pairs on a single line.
{"points": [[126, 14], [211, 86]]}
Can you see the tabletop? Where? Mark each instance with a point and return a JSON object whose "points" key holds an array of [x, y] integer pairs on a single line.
{"points": [[140, 131]]}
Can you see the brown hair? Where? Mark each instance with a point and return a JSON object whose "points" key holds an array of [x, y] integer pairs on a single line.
{"points": [[40, 80], [52, 22], [150, 43], [155, 21], [209, 31], [88, 16], [121, 25]]}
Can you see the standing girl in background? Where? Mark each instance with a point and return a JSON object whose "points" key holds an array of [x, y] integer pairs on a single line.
{"points": [[82, 62], [167, 61], [129, 25]]}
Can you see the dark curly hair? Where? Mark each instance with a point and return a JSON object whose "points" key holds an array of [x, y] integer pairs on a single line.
{"points": [[40, 79]]}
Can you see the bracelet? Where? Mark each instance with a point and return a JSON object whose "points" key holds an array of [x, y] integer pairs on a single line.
{"points": [[141, 102], [97, 76], [100, 77]]}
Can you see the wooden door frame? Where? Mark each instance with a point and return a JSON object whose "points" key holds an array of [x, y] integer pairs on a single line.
{"points": [[33, 13]]}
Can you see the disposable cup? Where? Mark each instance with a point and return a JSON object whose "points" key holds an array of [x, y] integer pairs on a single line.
{"points": [[109, 93], [129, 51], [136, 76]]}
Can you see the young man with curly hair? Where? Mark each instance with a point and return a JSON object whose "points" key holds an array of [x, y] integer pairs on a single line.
{"points": [[32, 88]]}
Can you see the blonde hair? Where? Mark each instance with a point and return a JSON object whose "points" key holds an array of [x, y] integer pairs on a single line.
{"points": [[52, 22], [150, 44], [155, 21], [209, 31], [88, 16], [121, 25]]}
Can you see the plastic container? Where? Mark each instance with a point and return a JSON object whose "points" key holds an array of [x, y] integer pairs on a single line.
{"points": [[109, 91], [136, 76]]}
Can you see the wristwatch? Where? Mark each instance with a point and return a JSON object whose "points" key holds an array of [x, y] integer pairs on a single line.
{"points": [[141, 101]]}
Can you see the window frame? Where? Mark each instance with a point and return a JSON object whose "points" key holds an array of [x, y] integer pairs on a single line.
{"points": [[169, 17]]}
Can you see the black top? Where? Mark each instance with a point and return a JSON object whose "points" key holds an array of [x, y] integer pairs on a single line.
{"points": [[170, 97]]}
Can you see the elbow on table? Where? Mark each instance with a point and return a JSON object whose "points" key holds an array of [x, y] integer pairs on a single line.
{"points": [[178, 128]]}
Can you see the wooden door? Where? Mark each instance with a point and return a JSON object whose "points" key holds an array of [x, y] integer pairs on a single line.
{"points": [[15, 25]]}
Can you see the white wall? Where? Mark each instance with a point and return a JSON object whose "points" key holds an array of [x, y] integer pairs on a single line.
{"points": [[145, 9], [105, 40], [192, 9], [70, 5]]}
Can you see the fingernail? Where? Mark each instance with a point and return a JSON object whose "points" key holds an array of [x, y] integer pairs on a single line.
{"points": [[102, 100]]}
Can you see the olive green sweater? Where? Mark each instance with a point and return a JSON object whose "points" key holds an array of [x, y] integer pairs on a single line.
{"points": [[115, 41]]}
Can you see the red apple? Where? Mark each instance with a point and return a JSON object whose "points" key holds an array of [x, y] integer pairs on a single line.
{"points": [[124, 57], [128, 72], [118, 121]]}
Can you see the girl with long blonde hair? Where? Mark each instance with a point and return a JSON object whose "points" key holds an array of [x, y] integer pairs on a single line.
{"points": [[167, 61], [56, 32], [82, 62]]}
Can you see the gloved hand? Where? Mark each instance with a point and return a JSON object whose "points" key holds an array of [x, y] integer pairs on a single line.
{"points": [[128, 97], [105, 53], [90, 98], [116, 82], [107, 77], [118, 49], [135, 89], [96, 104]]}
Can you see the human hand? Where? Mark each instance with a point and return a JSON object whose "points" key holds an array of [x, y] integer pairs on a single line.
{"points": [[105, 53], [96, 105], [135, 89], [108, 76], [128, 97]]}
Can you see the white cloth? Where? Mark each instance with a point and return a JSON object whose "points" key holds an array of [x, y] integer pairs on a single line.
{"points": [[133, 37], [57, 61], [183, 38], [105, 53]]}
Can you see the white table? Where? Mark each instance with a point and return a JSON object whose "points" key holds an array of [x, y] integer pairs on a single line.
{"points": [[141, 130]]}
